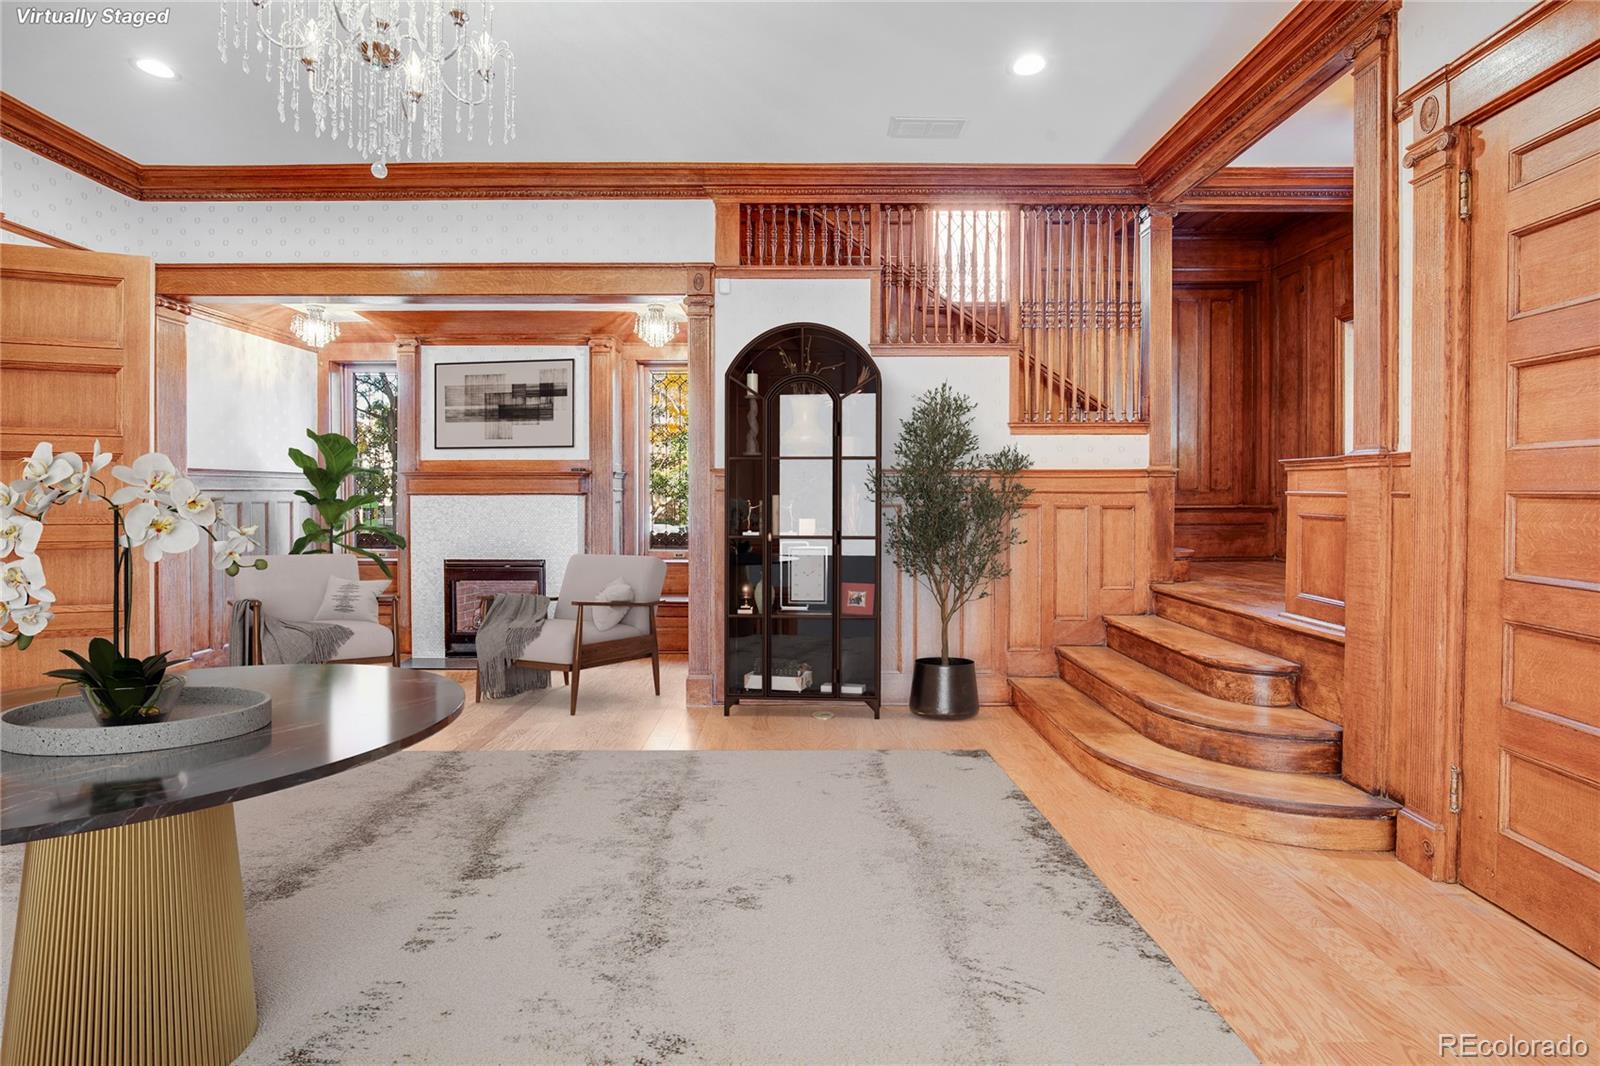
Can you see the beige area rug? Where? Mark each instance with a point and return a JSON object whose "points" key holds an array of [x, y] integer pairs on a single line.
{"points": [[685, 907]]}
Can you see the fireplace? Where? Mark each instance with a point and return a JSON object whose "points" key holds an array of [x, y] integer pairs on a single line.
{"points": [[467, 580]]}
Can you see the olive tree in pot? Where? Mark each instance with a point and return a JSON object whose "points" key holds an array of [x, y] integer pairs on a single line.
{"points": [[953, 531]]}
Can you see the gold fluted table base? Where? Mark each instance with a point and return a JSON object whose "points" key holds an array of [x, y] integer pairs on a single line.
{"points": [[130, 947]]}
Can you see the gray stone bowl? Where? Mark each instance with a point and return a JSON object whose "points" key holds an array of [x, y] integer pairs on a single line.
{"points": [[66, 726]]}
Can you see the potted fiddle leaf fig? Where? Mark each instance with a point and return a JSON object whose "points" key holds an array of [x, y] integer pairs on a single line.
{"points": [[338, 522], [953, 531]]}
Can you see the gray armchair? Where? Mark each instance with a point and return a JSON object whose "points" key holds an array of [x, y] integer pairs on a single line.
{"points": [[565, 644], [291, 588]]}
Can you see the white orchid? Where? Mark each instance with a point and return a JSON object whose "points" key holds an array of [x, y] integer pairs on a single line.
{"points": [[193, 504], [82, 476], [150, 478], [32, 619], [18, 532], [21, 578], [159, 531], [229, 555], [37, 465], [31, 497]]}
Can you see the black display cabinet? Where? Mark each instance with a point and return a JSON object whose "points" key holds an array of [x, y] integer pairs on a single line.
{"points": [[803, 433]]}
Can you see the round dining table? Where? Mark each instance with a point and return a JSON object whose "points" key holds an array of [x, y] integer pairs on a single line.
{"points": [[130, 943]]}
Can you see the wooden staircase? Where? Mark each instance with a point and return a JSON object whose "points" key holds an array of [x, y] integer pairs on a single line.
{"points": [[1183, 720]]}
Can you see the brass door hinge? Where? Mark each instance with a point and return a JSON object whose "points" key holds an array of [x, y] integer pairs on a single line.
{"points": [[1464, 193], [1455, 790]]}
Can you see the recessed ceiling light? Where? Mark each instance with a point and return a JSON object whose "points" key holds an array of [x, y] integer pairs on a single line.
{"points": [[1027, 64], [155, 68]]}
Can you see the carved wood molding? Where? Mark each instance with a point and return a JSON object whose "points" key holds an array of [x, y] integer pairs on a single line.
{"points": [[490, 280], [1291, 188], [59, 143], [1293, 63], [254, 327]]}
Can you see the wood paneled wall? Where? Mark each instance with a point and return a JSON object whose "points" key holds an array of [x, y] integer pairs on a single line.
{"points": [[1087, 554], [1256, 323], [1317, 513]]}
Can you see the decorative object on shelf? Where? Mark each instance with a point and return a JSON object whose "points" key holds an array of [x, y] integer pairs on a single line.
{"points": [[341, 524], [377, 74], [858, 598], [791, 549], [199, 714], [314, 326], [525, 403], [953, 531], [165, 515], [656, 325]]}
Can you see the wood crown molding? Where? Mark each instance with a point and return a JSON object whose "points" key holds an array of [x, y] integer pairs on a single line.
{"points": [[487, 281], [1307, 50], [1282, 188]]}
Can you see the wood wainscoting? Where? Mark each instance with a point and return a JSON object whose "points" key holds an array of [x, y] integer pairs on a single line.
{"points": [[1086, 554], [192, 608], [1317, 511]]}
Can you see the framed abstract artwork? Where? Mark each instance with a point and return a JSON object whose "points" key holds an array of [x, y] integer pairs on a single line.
{"points": [[527, 403]]}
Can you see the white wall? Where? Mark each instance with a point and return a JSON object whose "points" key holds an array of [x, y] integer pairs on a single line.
{"points": [[433, 355], [250, 399], [40, 194], [753, 305]]}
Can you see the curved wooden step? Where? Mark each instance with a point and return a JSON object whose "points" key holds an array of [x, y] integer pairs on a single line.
{"points": [[1214, 665], [1302, 809], [1171, 713]]}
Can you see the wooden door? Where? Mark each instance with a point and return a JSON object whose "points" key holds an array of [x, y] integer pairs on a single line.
{"points": [[1530, 838], [75, 342]]}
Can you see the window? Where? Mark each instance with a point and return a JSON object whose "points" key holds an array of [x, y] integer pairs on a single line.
{"points": [[969, 255], [666, 478], [374, 406]]}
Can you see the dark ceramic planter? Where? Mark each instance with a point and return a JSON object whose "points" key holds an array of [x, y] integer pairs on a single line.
{"points": [[944, 690]]}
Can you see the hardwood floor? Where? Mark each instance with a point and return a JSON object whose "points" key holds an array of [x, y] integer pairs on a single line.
{"points": [[1312, 956]]}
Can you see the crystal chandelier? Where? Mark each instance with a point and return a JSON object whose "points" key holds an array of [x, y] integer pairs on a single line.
{"points": [[656, 326], [314, 327], [378, 73]]}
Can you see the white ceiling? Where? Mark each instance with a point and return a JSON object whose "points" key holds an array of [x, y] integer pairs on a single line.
{"points": [[704, 82]]}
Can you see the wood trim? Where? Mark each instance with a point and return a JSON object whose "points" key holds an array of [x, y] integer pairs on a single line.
{"points": [[1155, 288], [707, 535], [61, 144], [38, 236], [574, 482], [1023, 429], [1306, 51], [1274, 188], [1540, 45], [515, 281], [601, 534], [1375, 246]]}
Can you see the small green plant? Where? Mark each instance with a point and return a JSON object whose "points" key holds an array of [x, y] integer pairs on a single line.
{"points": [[126, 687], [955, 527], [337, 523]]}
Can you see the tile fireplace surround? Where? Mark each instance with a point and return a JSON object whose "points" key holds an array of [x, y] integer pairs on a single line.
{"points": [[483, 527]]}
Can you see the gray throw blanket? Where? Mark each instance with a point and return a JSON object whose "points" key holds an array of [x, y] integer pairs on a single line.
{"points": [[513, 619], [284, 642]]}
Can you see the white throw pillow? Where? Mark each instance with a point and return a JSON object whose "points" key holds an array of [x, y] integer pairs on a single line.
{"points": [[350, 601], [604, 618]]}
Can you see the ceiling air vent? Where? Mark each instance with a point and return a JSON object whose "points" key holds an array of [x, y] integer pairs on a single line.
{"points": [[927, 129]]}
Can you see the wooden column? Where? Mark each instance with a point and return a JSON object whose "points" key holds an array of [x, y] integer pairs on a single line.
{"points": [[705, 526], [600, 532], [171, 437], [1375, 246], [1374, 254], [408, 364], [1425, 835], [1155, 259]]}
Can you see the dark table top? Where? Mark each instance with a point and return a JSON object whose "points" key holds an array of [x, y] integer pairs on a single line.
{"points": [[324, 719]]}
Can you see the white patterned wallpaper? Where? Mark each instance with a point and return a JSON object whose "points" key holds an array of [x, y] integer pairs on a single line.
{"points": [[250, 399], [483, 527], [47, 197], [754, 305]]}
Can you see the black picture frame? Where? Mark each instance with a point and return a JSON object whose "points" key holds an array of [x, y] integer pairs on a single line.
{"points": [[439, 387]]}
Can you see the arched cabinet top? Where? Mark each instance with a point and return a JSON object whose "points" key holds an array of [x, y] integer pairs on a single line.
{"points": [[806, 350]]}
